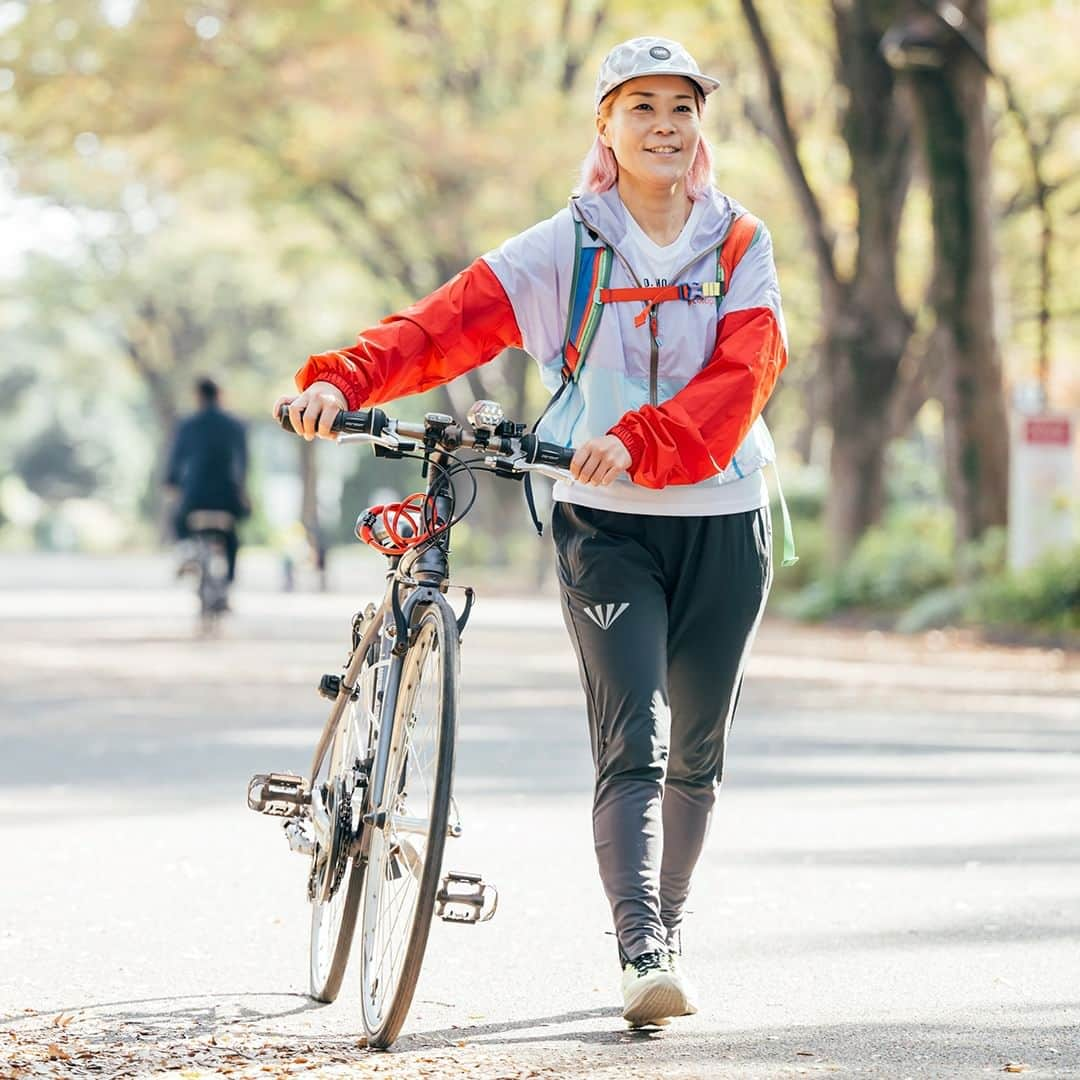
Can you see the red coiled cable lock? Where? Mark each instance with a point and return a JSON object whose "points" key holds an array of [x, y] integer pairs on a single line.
{"points": [[410, 510]]}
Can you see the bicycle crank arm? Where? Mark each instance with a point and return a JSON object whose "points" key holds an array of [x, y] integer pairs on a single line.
{"points": [[465, 898], [400, 823]]}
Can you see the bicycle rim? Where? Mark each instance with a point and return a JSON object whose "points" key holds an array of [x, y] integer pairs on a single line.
{"points": [[333, 921], [405, 855]]}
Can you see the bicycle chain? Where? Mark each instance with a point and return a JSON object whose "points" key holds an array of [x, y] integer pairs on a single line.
{"points": [[343, 835], [342, 829]]}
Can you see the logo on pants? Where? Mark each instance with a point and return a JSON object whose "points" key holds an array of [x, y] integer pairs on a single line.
{"points": [[605, 614]]}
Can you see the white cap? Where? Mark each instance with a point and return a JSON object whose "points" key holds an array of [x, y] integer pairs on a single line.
{"points": [[648, 56]]}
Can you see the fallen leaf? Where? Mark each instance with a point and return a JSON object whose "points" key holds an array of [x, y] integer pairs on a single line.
{"points": [[54, 1053], [1014, 1067]]}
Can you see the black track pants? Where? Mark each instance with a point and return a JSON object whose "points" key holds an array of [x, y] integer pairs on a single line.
{"points": [[661, 612]]}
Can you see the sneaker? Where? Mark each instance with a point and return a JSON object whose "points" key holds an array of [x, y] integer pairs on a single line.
{"points": [[675, 952], [688, 987], [653, 991]]}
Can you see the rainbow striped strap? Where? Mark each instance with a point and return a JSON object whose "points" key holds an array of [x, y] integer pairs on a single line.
{"points": [[592, 272]]}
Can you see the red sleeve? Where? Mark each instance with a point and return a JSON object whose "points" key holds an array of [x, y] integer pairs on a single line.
{"points": [[461, 325], [695, 434]]}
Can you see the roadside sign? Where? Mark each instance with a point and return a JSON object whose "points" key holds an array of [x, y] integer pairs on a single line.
{"points": [[1043, 489]]}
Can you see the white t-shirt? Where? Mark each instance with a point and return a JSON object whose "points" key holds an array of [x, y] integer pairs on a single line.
{"points": [[659, 263], [654, 265]]}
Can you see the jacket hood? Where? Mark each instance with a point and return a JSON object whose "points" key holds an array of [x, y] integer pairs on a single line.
{"points": [[604, 211]]}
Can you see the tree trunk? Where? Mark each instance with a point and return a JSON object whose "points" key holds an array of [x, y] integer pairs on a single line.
{"points": [[309, 488], [864, 344], [956, 137], [865, 327]]}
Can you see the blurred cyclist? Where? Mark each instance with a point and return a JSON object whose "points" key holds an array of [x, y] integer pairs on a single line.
{"points": [[208, 465]]}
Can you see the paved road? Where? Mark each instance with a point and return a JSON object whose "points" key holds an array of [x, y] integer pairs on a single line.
{"points": [[891, 888]]}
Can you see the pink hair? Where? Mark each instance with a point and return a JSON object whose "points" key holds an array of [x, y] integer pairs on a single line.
{"points": [[600, 170]]}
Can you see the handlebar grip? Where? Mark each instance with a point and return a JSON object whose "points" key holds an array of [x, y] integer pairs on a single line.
{"points": [[544, 453], [360, 422]]}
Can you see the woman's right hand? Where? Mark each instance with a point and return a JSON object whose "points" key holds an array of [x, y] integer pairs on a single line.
{"points": [[313, 411]]}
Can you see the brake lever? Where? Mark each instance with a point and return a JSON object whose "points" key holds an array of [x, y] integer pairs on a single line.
{"points": [[520, 465], [390, 442]]}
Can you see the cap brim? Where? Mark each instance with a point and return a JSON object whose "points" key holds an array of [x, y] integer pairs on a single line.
{"points": [[705, 83]]}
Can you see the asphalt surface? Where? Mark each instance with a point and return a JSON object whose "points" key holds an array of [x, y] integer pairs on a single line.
{"points": [[891, 887]]}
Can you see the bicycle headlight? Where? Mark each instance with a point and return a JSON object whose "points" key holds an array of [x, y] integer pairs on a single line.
{"points": [[485, 415]]}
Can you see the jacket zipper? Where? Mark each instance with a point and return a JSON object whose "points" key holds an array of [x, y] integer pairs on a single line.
{"points": [[654, 322]]}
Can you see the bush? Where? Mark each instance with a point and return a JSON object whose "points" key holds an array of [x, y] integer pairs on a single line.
{"points": [[1046, 595], [892, 566]]}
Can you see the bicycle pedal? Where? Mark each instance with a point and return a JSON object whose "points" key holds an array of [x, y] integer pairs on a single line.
{"points": [[278, 794], [465, 898]]}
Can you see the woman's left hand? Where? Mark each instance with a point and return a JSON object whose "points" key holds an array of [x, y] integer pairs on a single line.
{"points": [[599, 461]]}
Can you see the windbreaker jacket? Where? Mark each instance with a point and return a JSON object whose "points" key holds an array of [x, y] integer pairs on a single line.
{"points": [[695, 419]]}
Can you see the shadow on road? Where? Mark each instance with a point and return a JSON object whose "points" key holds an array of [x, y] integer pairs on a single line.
{"points": [[214, 1012], [420, 1039]]}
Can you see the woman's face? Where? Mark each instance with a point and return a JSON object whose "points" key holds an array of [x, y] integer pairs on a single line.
{"points": [[652, 124]]}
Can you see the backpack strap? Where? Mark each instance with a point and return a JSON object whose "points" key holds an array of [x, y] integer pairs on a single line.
{"points": [[742, 234], [592, 272]]}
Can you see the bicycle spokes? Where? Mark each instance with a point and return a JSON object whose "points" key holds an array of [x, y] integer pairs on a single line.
{"points": [[401, 846]]}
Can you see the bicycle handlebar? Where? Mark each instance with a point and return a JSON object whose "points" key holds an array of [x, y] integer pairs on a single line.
{"points": [[451, 436], [360, 422]]}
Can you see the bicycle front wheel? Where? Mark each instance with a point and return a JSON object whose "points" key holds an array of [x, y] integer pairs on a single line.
{"points": [[333, 917], [406, 849]]}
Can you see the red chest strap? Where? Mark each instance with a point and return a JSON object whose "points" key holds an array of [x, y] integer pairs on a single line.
{"points": [[652, 296]]}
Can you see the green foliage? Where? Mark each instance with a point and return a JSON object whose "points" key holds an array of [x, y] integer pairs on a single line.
{"points": [[237, 186], [1046, 595], [904, 575], [935, 610], [55, 466], [891, 566]]}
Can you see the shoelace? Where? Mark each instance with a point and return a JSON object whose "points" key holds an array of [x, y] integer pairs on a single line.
{"points": [[650, 961]]}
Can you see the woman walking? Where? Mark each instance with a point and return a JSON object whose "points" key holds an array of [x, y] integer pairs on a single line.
{"points": [[652, 308]]}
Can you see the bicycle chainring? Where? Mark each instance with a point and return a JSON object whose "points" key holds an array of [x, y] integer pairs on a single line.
{"points": [[340, 846]]}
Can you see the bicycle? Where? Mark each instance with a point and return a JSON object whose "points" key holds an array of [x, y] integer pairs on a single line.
{"points": [[376, 812], [209, 530]]}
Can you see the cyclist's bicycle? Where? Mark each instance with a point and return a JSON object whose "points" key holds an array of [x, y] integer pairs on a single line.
{"points": [[209, 531], [374, 815]]}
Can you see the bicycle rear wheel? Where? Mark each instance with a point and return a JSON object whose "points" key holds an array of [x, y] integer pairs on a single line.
{"points": [[406, 851], [333, 920]]}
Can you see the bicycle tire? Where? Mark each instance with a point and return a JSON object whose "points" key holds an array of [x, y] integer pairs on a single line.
{"points": [[325, 981], [212, 585], [383, 1026]]}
